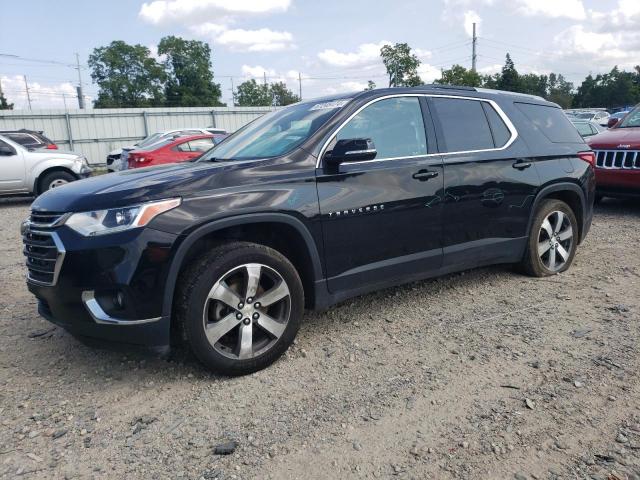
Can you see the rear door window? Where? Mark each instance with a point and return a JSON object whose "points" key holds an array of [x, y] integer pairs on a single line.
{"points": [[464, 125], [24, 139], [551, 122], [500, 131]]}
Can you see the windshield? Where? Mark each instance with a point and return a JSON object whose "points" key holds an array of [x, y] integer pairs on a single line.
{"points": [[582, 115], [149, 140], [632, 119], [275, 133]]}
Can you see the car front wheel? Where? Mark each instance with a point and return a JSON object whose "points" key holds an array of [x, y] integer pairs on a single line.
{"points": [[55, 180], [241, 306]]}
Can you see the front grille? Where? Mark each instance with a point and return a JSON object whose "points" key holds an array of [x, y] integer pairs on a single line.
{"points": [[112, 158], [46, 219], [44, 253], [618, 159]]}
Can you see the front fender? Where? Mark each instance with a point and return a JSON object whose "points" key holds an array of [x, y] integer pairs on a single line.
{"points": [[36, 168], [233, 221]]}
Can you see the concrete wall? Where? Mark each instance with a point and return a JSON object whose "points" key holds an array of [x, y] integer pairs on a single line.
{"points": [[95, 132]]}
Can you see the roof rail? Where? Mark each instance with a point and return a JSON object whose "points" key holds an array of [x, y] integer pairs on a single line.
{"points": [[451, 87]]}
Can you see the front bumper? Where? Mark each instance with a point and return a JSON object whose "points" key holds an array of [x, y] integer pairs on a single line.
{"points": [[618, 182], [110, 287]]}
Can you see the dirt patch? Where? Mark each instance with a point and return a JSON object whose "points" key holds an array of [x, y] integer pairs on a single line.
{"points": [[486, 374]]}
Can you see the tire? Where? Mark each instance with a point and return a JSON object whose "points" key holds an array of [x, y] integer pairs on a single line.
{"points": [[551, 248], [237, 339], [55, 179]]}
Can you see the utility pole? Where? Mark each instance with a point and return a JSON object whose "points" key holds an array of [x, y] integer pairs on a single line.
{"points": [[26, 86], [80, 94], [300, 85], [233, 94], [474, 56], [265, 78], [64, 99]]}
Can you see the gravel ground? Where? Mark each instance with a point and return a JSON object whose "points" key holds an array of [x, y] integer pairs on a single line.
{"points": [[486, 374]]}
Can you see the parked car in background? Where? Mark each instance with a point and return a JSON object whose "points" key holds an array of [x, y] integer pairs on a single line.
{"points": [[616, 117], [117, 159], [29, 138], [599, 116], [618, 158], [306, 207], [171, 150], [34, 171], [586, 128]]}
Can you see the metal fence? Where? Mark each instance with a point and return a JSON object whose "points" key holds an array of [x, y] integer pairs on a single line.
{"points": [[96, 132]]}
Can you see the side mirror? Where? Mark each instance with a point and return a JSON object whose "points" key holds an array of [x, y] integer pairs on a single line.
{"points": [[612, 122], [351, 150], [6, 151]]}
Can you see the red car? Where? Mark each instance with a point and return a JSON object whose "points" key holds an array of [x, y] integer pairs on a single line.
{"points": [[618, 158], [172, 150]]}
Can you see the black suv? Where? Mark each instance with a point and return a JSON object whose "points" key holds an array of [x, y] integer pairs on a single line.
{"points": [[305, 207]]}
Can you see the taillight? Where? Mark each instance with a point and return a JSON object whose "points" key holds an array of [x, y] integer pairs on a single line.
{"points": [[589, 157], [51, 146]]}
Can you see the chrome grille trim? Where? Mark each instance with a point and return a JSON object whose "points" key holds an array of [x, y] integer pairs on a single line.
{"points": [[618, 159], [43, 264], [47, 219]]}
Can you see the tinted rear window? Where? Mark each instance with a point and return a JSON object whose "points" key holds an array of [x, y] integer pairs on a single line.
{"points": [[501, 133], [552, 122], [464, 124], [24, 139]]}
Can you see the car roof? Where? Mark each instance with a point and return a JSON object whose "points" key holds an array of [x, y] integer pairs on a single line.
{"points": [[436, 89]]}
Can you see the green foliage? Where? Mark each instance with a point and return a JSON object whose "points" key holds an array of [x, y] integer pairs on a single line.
{"points": [[282, 95], [127, 76], [552, 87], [458, 75], [614, 89], [254, 94], [189, 75], [4, 104], [401, 64], [371, 85]]}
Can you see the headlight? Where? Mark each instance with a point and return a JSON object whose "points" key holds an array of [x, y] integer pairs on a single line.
{"points": [[100, 222]]}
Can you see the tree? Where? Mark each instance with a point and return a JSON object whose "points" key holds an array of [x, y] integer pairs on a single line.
{"points": [[617, 88], [458, 75], [252, 94], [371, 85], [401, 64], [189, 76], [559, 91], [127, 76], [4, 104], [281, 95], [509, 79]]}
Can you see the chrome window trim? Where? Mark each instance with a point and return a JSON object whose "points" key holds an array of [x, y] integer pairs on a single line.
{"points": [[510, 126]]}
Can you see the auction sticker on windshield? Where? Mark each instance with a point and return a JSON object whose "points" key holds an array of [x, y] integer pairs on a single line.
{"points": [[330, 105]]}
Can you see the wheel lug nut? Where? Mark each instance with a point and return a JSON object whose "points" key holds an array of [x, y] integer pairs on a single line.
{"points": [[241, 305], [256, 316], [256, 305], [250, 299], [239, 316], [246, 321]]}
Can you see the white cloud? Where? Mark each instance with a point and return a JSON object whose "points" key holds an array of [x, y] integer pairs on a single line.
{"points": [[422, 54], [160, 12], [257, 72], [428, 73], [42, 96], [365, 53], [471, 17], [208, 29], [573, 9], [490, 69], [262, 40]]}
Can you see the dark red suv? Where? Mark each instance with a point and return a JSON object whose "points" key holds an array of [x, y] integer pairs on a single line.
{"points": [[618, 157]]}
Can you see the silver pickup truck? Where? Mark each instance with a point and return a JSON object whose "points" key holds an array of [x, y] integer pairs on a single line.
{"points": [[29, 171]]}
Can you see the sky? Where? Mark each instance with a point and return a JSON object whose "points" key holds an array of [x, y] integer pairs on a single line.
{"points": [[333, 45]]}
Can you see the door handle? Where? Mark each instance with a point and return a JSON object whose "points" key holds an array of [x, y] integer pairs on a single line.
{"points": [[424, 175], [521, 165]]}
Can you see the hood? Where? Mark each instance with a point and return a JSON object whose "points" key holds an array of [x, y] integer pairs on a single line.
{"points": [[616, 139], [130, 187], [44, 153]]}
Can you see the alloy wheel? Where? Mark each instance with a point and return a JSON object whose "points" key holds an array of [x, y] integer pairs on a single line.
{"points": [[247, 311], [555, 240], [58, 182]]}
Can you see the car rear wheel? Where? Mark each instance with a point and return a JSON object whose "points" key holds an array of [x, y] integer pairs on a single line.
{"points": [[553, 240], [240, 306], [55, 180]]}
